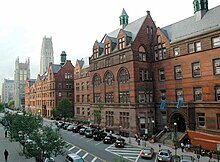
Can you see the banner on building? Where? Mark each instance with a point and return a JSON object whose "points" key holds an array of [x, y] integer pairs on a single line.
{"points": [[163, 105], [179, 104]]}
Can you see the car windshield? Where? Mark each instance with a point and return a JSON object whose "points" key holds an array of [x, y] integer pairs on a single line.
{"points": [[107, 137], [147, 150], [79, 160], [164, 154]]}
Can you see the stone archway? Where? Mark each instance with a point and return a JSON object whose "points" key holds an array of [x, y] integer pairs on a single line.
{"points": [[179, 119]]}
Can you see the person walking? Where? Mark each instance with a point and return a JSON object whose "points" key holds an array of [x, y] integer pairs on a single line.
{"points": [[6, 155], [182, 146], [6, 134]]}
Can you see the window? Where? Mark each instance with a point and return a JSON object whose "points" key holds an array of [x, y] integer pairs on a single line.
{"points": [[179, 94], [121, 43], [78, 110], [142, 97], [109, 78], [97, 98], [109, 97], [196, 69], [142, 57], [143, 75], [201, 119], [124, 119], [123, 76], [96, 53], [88, 98], [191, 47], [142, 120], [216, 42], [59, 85], [178, 72], [198, 94], [97, 80], [216, 66], [87, 85], [108, 62], [109, 118], [161, 75], [77, 87], [176, 51], [83, 98], [198, 46], [217, 92], [124, 97], [122, 58], [82, 86], [95, 65], [68, 75], [108, 48], [77, 98]]}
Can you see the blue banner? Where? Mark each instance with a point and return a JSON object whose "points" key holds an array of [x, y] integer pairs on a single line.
{"points": [[163, 105], [179, 104]]}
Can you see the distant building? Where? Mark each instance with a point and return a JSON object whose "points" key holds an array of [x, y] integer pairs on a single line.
{"points": [[82, 89], [44, 94], [7, 90], [21, 74], [46, 54]]}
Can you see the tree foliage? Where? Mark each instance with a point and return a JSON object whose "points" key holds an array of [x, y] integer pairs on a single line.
{"points": [[98, 113], [64, 109], [11, 104], [1, 107]]}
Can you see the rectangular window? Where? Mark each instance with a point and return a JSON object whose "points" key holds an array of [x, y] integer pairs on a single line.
{"points": [[176, 51], [109, 97], [216, 65], [97, 98], [191, 47], [198, 94], [82, 86], [83, 99], [121, 43], [59, 94], [179, 94], [108, 62], [87, 85], [217, 92], [108, 48], [95, 65], [198, 46], [95, 53], [59, 85], [88, 98], [196, 69], [78, 110], [216, 42], [77, 87], [122, 58], [178, 72], [142, 97], [142, 57], [161, 75], [124, 97], [109, 118], [77, 98], [143, 75], [201, 119]]}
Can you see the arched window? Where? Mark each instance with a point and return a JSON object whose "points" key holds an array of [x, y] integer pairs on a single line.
{"points": [[109, 78], [123, 76], [142, 54], [96, 80]]}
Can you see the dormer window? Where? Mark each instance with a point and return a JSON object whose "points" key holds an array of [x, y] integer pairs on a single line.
{"points": [[176, 51], [108, 48], [121, 43], [95, 53]]}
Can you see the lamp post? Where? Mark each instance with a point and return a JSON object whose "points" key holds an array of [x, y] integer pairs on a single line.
{"points": [[153, 122], [120, 130], [175, 137]]}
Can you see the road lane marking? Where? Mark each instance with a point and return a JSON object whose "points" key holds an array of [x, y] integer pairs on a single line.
{"points": [[98, 143], [78, 151], [89, 140], [94, 159], [85, 155], [71, 148]]}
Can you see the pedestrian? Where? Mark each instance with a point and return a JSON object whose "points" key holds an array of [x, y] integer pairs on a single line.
{"points": [[6, 134], [139, 141], [136, 137], [182, 146], [6, 155], [159, 147]]}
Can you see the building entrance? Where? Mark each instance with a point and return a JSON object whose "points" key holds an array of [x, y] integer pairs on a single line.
{"points": [[179, 120]]}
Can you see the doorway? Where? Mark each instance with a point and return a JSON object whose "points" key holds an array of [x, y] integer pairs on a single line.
{"points": [[179, 120]]}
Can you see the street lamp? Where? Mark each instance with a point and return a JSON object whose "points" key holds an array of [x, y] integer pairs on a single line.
{"points": [[120, 130], [153, 122], [175, 137]]}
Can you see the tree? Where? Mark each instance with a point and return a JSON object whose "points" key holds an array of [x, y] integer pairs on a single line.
{"points": [[11, 104], [44, 143], [1, 107], [64, 108], [98, 113]]}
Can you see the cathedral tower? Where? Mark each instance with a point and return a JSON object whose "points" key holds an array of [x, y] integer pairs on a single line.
{"points": [[46, 54]]}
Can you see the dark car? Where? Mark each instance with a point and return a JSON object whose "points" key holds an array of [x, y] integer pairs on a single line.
{"points": [[76, 128], [66, 125], [109, 139], [120, 142], [89, 132], [82, 130], [99, 134]]}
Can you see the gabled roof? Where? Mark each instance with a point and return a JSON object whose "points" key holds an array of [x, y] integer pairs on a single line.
{"points": [[56, 67], [190, 27], [131, 29]]}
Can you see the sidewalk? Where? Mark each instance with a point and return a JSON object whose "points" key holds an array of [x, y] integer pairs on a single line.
{"points": [[155, 146], [14, 149]]}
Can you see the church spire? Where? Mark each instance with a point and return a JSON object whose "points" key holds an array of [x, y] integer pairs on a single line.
{"points": [[124, 18], [200, 8]]}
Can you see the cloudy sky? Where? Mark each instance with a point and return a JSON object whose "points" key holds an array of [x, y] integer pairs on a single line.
{"points": [[73, 25]]}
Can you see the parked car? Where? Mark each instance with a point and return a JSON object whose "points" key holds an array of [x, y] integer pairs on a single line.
{"points": [[82, 130], [66, 125], [70, 127], [49, 159], [99, 134], [120, 142], [147, 152], [59, 124], [186, 158], [89, 132], [109, 139], [76, 128], [164, 155], [73, 158]]}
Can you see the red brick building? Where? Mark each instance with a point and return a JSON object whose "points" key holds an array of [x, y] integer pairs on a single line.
{"points": [[43, 95]]}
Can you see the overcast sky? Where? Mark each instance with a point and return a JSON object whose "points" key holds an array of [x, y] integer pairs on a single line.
{"points": [[73, 25]]}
